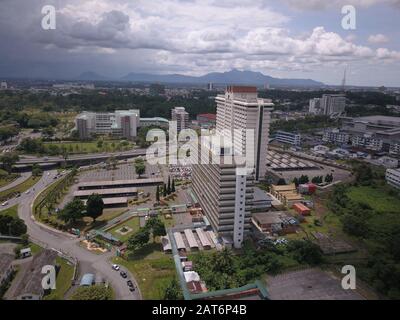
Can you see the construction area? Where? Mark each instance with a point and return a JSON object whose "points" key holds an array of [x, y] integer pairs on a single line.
{"points": [[308, 284]]}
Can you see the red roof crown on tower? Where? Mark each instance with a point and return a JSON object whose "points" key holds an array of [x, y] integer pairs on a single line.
{"points": [[241, 89]]}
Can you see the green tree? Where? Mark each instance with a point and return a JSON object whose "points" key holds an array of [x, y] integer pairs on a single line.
{"points": [[72, 211], [99, 144], [355, 225], [96, 292], [169, 186], [48, 132], [303, 179], [12, 226], [156, 226], [8, 160], [305, 251], [315, 180], [94, 206], [139, 239], [8, 131], [328, 178], [36, 170], [363, 174], [140, 167], [173, 291], [158, 194], [25, 239], [173, 186]]}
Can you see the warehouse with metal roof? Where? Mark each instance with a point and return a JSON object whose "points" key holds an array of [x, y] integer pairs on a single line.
{"points": [[179, 241], [203, 238], [108, 193], [191, 239], [90, 185]]}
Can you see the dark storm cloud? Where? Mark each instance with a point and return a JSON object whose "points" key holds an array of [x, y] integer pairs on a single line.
{"points": [[118, 36]]}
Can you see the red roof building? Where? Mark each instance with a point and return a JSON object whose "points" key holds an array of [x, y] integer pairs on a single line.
{"points": [[241, 89], [195, 286], [301, 209], [206, 118]]}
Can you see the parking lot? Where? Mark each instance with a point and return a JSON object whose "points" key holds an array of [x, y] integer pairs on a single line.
{"points": [[124, 171], [180, 172]]}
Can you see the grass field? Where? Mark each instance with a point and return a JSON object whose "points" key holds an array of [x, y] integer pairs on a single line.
{"points": [[22, 187], [35, 248], [132, 223], [376, 198], [63, 282], [109, 214], [12, 211], [152, 269], [6, 178]]}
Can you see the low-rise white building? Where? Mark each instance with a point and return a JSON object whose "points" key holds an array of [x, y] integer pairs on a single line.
{"points": [[393, 177], [122, 123], [288, 137]]}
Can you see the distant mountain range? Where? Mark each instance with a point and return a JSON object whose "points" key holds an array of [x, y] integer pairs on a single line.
{"points": [[231, 77]]}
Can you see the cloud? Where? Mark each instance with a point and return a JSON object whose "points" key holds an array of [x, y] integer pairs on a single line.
{"points": [[218, 33], [378, 38], [323, 4], [186, 36]]}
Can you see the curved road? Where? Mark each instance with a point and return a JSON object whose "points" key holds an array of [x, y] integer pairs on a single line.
{"points": [[69, 244], [24, 176]]}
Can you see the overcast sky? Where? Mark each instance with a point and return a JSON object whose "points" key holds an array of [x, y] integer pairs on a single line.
{"points": [[288, 38]]}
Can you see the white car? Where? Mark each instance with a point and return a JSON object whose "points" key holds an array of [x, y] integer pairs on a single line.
{"points": [[27, 192], [4, 203], [115, 267]]}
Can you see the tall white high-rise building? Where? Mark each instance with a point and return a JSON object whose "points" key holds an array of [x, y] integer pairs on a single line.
{"points": [[314, 106], [224, 189], [329, 104], [333, 104], [181, 117], [3, 85], [239, 110]]}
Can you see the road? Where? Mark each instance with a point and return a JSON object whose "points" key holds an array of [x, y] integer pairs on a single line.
{"points": [[24, 176], [69, 244], [82, 157]]}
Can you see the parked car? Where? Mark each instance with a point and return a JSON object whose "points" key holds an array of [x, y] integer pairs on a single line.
{"points": [[131, 289], [4, 203], [123, 274], [115, 267], [129, 283]]}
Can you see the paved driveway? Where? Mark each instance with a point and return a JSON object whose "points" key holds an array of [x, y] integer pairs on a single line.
{"points": [[68, 244]]}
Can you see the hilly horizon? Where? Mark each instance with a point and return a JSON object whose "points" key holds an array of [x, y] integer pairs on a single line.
{"points": [[233, 76]]}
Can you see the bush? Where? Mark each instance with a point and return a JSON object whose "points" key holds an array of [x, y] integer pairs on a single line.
{"points": [[96, 292], [305, 251]]}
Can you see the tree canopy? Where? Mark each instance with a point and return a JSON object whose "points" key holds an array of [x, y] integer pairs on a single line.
{"points": [[96, 292], [94, 206], [72, 211]]}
